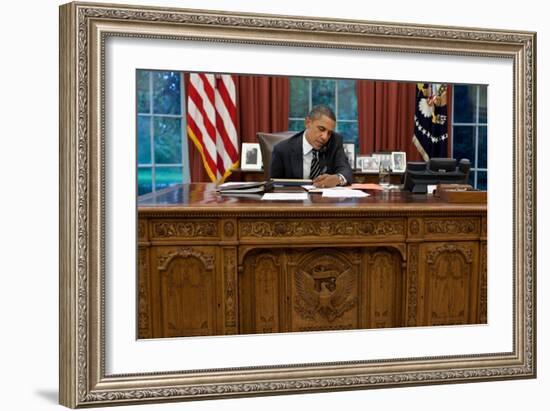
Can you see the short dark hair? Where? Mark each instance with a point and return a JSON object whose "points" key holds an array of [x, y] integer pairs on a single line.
{"points": [[321, 110]]}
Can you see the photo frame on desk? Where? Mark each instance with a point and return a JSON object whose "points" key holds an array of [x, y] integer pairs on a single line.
{"points": [[100, 366], [349, 149], [360, 158], [398, 161], [371, 164], [251, 156]]}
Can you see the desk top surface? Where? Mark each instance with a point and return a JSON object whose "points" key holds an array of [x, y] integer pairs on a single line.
{"points": [[203, 197]]}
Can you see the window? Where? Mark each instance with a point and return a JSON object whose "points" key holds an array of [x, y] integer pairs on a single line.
{"points": [[162, 154], [340, 95], [469, 130]]}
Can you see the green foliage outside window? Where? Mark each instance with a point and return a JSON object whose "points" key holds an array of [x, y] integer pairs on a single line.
{"points": [[161, 141]]}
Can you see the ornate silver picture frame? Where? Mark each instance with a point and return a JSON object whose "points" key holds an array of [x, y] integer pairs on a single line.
{"points": [[85, 29]]}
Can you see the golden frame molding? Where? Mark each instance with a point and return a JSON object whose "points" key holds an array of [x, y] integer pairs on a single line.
{"points": [[84, 27]]}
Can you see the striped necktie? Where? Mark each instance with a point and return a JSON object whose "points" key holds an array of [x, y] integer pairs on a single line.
{"points": [[315, 167]]}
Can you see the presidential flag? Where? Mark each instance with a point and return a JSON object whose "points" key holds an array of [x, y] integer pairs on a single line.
{"points": [[430, 120], [211, 122]]}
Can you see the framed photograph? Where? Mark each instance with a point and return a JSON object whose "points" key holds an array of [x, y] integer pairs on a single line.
{"points": [[103, 246], [383, 157], [398, 161], [251, 156], [371, 164], [349, 149], [359, 161]]}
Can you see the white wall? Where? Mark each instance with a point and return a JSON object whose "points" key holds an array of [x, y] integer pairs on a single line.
{"points": [[29, 164]]}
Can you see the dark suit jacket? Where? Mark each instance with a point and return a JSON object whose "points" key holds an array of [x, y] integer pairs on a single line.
{"points": [[287, 158]]}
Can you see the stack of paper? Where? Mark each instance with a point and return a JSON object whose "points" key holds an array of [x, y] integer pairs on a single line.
{"points": [[284, 196], [345, 193]]}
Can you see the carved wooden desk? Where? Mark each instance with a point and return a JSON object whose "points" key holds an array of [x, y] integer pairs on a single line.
{"points": [[211, 265]]}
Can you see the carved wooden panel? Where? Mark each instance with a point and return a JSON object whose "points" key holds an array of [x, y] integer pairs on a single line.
{"points": [[185, 280], [229, 229], [385, 289], [323, 288], [412, 286], [483, 284], [184, 229], [229, 293], [144, 320], [260, 292], [448, 228], [375, 228], [415, 227], [142, 229], [450, 272]]}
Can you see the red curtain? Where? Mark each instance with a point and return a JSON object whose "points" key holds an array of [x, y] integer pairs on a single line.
{"points": [[262, 105], [386, 117]]}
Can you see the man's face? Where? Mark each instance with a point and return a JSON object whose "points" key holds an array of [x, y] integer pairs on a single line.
{"points": [[319, 131]]}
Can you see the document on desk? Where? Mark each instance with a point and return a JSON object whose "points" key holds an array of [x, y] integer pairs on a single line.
{"points": [[347, 193], [313, 189], [285, 196]]}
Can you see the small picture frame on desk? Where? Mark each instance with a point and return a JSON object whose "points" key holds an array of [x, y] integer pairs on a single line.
{"points": [[384, 157], [398, 161], [359, 162], [349, 149], [370, 164], [251, 156]]}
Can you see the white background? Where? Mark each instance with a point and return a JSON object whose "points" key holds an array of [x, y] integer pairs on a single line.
{"points": [[29, 223]]}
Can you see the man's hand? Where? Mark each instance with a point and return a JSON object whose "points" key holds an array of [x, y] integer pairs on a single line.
{"points": [[326, 181]]}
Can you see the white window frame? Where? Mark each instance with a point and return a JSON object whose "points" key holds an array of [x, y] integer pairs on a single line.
{"points": [[476, 124], [186, 174], [336, 104]]}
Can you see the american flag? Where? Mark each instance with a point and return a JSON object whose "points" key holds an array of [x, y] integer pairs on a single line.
{"points": [[211, 122]]}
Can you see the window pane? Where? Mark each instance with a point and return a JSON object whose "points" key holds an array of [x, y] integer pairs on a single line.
{"points": [[144, 140], [347, 100], [167, 132], [144, 180], [348, 131], [464, 103], [166, 92], [167, 176], [296, 125], [464, 143], [471, 178], [323, 92], [143, 95], [482, 180], [299, 97], [482, 147], [482, 104]]}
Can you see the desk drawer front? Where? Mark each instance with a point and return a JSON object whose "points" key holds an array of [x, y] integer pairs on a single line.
{"points": [[321, 228], [184, 229], [445, 228]]}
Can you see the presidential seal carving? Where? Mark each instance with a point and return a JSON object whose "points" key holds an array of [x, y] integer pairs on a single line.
{"points": [[325, 289]]}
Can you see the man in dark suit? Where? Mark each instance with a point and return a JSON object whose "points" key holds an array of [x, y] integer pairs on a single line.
{"points": [[315, 152]]}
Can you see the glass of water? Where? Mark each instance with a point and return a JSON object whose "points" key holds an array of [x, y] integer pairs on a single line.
{"points": [[384, 174]]}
